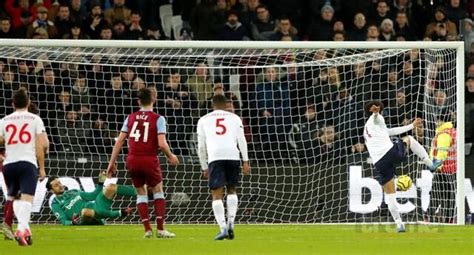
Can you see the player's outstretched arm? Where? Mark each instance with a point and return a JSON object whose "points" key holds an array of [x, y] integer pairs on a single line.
{"points": [[165, 148], [418, 122], [111, 169]]}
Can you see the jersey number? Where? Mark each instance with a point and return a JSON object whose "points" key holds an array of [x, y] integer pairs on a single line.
{"points": [[135, 133], [23, 136], [221, 126]]}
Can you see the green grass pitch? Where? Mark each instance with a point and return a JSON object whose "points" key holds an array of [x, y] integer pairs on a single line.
{"points": [[250, 239]]}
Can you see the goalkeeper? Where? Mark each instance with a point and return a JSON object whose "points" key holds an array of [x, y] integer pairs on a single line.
{"points": [[75, 207], [443, 148]]}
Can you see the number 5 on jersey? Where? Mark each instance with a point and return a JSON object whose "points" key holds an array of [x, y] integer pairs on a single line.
{"points": [[221, 129], [135, 133]]}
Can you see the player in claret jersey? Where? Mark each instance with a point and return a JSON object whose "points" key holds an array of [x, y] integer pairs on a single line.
{"points": [[219, 134], [26, 143], [146, 133]]}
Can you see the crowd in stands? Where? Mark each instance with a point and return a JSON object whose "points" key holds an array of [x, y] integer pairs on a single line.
{"points": [[84, 105]]}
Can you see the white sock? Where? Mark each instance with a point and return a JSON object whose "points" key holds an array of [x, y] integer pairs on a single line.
{"points": [[22, 210], [232, 202], [17, 211], [391, 201], [416, 147], [219, 213]]}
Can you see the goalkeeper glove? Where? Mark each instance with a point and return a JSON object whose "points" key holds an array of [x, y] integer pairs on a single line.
{"points": [[102, 177], [76, 219]]}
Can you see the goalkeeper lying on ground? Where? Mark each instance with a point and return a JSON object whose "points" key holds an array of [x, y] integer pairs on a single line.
{"points": [[76, 207]]}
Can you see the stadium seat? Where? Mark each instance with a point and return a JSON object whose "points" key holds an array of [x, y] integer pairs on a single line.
{"points": [[176, 24]]}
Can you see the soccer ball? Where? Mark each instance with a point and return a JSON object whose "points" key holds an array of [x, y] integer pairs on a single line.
{"points": [[404, 183]]}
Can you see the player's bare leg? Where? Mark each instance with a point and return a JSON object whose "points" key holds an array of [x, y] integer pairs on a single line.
{"points": [[22, 210], [159, 203], [219, 212], [389, 189], [232, 203], [142, 208]]}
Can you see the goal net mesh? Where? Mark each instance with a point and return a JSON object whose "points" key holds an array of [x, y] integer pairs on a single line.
{"points": [[303, 116]]}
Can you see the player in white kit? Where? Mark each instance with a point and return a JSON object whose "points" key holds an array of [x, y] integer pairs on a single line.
{"points": [[26, 143], [219, 134], [386, 154]]}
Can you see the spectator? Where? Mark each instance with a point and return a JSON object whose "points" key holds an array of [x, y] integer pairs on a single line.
{"points": [[233, 30], [94, 23], [118, 12], [316, 6], [302, 134], [76, 33], [470, 71], [117, 100], [135, 30], [106, 33], [154, 75], [137, 84], [441, 26], [128, 75], [469, 111], [403, 28], [43, 22], [359, 84], [120, 30], [328, 145], [200, 84], [386, 31], [440, 103], [339, 37], [40, 33], [399, 111], [178, 105], [264, 26], [284, 28], [321, 27], [468, 35], [203, 27], [72, 133], [221, 13], [273, 99], [64, 104], [63, 21], [78, 11], [338, 26], [455, 11], [80, 94], [295, 79], [9, 84], [6, 30], [248, 12], [373, 33], [359, 31], [26, 19], [101, 140], [149, 10], [382, 12], [218, 89], [22, 13], [346, 115]]}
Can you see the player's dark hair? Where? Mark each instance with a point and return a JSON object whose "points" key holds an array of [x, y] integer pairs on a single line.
{"points": [[376, 103], [145, 96], [50, 180], [219, 101], [20, 98]]}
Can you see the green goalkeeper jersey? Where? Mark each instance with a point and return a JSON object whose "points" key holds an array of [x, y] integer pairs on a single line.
{"points": [[72, 202]]}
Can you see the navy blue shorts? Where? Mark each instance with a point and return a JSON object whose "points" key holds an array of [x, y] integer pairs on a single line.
{"points": [[385, 167], [224, 173], [21, 178]]}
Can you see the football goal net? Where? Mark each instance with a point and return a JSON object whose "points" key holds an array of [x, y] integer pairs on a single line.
{"points": [[302, 105]]}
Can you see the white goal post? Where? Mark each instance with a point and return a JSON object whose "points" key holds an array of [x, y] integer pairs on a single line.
{"points": [[320, 200]]}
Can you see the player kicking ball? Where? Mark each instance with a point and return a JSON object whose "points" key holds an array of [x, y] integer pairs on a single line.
{"points": [[219, 134], [76, 207], [386, 154]]}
